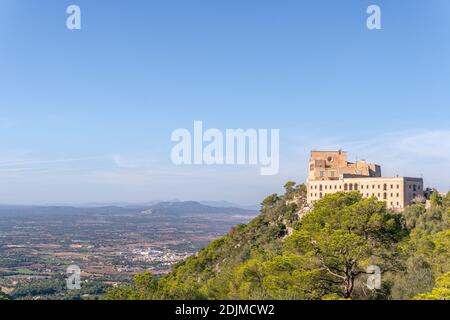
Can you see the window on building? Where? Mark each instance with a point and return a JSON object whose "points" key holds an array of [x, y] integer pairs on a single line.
{"points": [[385, 196], [385, 187], [345, 186], [320, 195], [321, 174], [320, 187], [350, 186], [414, 187], [332, 173], [356, 186]]}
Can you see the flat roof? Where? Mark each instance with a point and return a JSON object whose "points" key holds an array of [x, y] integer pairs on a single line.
{"points": [[385, 178]]}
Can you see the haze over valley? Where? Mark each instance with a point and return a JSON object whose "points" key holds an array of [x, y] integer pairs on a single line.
{"points": [[109, 243]]}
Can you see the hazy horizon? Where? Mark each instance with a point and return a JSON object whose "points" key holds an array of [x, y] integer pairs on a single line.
{"points": [[217, 203]]}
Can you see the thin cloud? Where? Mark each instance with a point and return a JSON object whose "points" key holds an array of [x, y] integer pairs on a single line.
{"points": [[428, 144], [142, 162], [123, 163]]}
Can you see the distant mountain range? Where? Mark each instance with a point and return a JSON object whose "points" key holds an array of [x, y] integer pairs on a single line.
{"points": [[226, 204], [172, 208], [194, 208], [218, 204]]}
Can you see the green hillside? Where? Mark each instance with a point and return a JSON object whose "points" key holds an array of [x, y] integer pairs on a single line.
{"points": [[323, 254]]}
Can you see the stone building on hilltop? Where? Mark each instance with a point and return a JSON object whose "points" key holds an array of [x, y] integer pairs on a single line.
{"points": [[330, 172]]}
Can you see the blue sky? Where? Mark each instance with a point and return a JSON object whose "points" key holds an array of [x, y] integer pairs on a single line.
{"points": [[87, 115]]}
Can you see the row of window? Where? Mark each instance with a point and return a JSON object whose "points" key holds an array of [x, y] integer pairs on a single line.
{"points": [[350, 186], [414, 187], [367, 195], [326, 187], [385, 195]]}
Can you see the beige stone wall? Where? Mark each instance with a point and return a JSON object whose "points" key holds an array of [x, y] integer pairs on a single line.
{"points": [[330, 165], [396, 192]]}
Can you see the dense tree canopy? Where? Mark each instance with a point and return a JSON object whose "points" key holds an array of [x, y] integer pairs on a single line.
{"points": [[440, 292]]}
